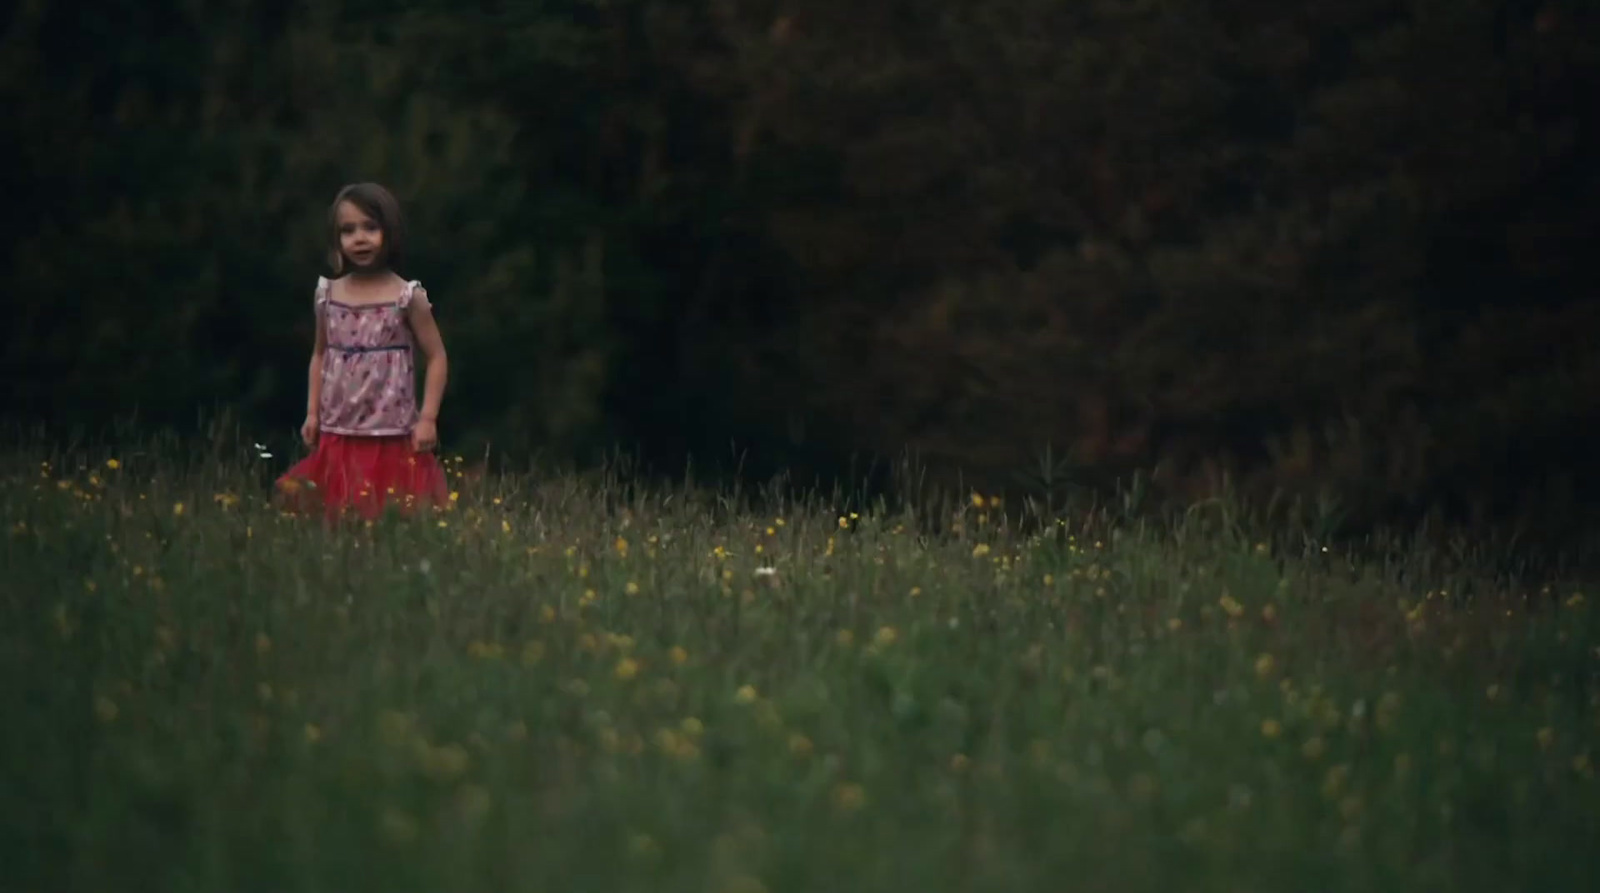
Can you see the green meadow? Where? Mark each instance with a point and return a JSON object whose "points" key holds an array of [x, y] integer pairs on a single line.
{"points": [[579, 682]]}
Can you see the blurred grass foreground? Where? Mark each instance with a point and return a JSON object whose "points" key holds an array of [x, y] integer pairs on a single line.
{"points": [[576, 683]]}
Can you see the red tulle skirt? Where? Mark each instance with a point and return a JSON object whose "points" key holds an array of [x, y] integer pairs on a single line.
{"points": [[363, 474]]}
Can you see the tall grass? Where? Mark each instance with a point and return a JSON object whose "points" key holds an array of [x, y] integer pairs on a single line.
{"points": [[581, 683]]}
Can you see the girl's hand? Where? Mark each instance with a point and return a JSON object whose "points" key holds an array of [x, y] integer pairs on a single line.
{"points": [[425, 436], [308, 430]]}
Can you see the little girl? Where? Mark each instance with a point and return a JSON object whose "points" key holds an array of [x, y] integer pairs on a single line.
{"points": [[372, 444]]}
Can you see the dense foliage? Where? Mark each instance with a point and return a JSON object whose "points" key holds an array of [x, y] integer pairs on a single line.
{"points": [[1323, 247]]}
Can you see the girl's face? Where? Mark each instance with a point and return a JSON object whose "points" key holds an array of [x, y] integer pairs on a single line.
{"points": [[360, 238]]}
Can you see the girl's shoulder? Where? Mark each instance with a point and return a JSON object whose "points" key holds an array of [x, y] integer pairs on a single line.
{"points": [[413, 291], [408, 290]]}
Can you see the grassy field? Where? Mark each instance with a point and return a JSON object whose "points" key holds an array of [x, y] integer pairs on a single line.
{"points": [[572, 684]]}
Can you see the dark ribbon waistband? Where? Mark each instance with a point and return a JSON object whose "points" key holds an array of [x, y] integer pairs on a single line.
{"points": [[342, 349]]}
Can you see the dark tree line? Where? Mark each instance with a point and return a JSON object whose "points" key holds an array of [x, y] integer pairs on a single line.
{"points": [[1321, 246]]}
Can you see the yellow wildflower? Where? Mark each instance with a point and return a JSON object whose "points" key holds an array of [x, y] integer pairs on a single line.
{"points": [[113, 464], [1350, 807], [64, 624], [485, 650], [313, 734], [627, 668], [1402, 765], [1265, 666], [746, 694], [1231, 606], [621, 545], [395, 727], [397, 827], [448, 761], [848, 797], [1271, 728], [676, 745], [643, 846], [885, 636], [678, 655], [1388, 708], [177, 509], [473, 801], [1333, 783], [980, 550]]}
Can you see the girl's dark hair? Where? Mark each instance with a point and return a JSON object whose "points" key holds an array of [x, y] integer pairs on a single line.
{"points": [[379, 204]]}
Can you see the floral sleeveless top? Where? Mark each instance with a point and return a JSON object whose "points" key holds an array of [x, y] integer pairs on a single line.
{"points": [[368, 377]]}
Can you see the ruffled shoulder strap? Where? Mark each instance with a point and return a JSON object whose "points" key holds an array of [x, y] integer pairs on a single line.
{"points": [[412, 288], [324, 287]]}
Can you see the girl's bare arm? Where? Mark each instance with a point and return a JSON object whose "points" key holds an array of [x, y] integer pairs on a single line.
{"points": [[314, 381], [420, 315]]}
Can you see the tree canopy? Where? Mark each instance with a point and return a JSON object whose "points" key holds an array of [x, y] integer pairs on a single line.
{"points": [[1321, 246]]}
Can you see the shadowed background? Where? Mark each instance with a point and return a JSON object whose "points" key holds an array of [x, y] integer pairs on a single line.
{"points": [[1324, 248]]}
